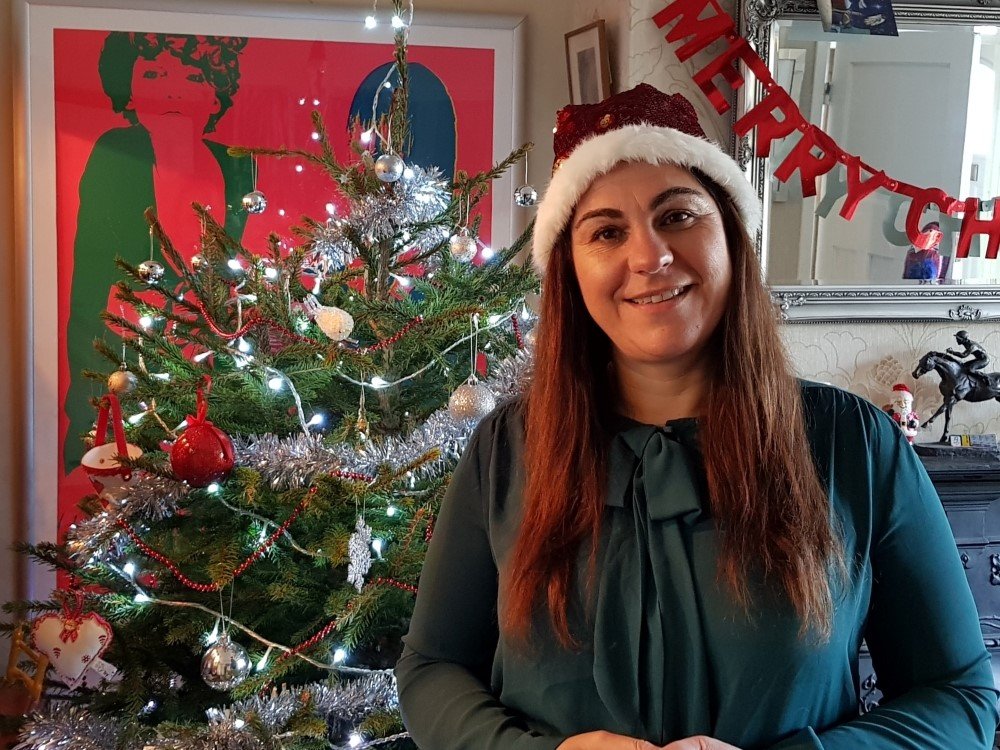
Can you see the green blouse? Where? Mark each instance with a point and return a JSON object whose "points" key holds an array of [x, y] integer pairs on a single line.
{"points": [[670, 654]]}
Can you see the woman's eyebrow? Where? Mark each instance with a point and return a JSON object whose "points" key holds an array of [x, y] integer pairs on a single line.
{"points": [[672, 193], [611, 213]]}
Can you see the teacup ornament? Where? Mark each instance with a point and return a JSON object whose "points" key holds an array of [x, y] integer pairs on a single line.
{"points": [[109, 477]]}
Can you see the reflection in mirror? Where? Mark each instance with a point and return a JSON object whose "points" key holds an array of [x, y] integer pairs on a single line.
{"points": [[923, 108]]}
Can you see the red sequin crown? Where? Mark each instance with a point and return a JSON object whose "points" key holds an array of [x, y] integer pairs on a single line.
{"points": [[643, 104]]}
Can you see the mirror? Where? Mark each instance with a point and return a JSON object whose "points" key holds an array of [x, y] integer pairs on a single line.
{"points": [[923, 107]]}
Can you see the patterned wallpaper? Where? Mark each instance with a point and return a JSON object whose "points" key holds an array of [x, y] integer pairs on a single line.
{"points": [[866, 358]]}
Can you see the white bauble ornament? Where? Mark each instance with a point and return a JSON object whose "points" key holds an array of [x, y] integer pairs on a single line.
{"points": [[462, 245], [334, 322], [199, 263], [471, 400], [254, 202], [225, 665], [122, 381], [531, 338], [389, 167], [150, 272]]}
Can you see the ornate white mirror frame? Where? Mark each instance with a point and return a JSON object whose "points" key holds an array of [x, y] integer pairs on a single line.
{"points": [[804, 303]]}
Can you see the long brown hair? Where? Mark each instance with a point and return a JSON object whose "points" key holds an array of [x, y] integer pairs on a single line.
{"points": [[765, 493]]}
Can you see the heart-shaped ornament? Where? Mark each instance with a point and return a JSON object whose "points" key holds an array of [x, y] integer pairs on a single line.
{"points": [[73, 642]]}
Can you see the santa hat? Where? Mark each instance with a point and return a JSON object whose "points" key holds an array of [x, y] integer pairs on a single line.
{"points": [[902, 387], [642, 124]]}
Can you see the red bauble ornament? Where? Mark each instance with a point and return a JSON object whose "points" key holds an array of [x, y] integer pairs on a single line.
{"points": [[204, 453]]}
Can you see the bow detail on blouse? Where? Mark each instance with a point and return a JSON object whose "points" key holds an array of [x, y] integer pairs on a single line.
{"points": [[664, 473], [649, 649]]}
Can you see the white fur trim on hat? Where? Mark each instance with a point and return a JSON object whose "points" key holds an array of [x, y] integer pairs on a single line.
{"points": [[657, 145]]}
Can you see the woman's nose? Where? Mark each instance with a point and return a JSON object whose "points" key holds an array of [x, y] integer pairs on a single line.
{"points": [[648, 252]]}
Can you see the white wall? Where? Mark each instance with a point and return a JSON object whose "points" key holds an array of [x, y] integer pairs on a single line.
{"points": [[12, 327]]}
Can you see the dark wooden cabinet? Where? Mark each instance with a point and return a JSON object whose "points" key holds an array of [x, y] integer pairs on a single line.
{"points": [[969, 487]]}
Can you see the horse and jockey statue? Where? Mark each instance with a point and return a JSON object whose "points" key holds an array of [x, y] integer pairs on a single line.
{"points": [[962, 377]]}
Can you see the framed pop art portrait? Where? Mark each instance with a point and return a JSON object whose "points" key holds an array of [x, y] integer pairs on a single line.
{"points": [[127, 104], [588, 64]]}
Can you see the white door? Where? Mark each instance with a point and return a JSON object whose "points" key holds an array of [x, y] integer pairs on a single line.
{"points": [[900, 104]]}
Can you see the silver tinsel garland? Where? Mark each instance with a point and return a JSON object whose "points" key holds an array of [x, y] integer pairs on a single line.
{"points": [[343, 704], [297, 460], [294, 461], [150, 498], [346, 702], [66, 725], [412, 200], [440, 432], [331, 249]]}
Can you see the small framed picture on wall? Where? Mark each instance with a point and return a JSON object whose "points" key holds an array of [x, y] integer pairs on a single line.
{"points": [[588, 64]]}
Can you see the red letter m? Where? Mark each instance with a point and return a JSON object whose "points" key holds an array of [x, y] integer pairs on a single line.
{"points": [[704, 30]]}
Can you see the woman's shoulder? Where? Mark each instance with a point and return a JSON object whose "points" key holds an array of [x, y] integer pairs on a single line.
{"points": [[828, 407], [826, 401], [505, 422]]}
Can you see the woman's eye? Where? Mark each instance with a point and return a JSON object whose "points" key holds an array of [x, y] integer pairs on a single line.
{"points": [[196, 78], [676, 217], [605, 234], [150, 74]]}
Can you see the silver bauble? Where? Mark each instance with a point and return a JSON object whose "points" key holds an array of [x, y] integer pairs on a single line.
{"points": [[525, 196], [471, 400], [199, 263], [150, 271], [225, 665], [334, 322], [389, 167], [122, 381], [462, 245], [531, 338], [254, 202]]}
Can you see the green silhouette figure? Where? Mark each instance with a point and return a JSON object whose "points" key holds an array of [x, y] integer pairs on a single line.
{"points": [[172, 89]]}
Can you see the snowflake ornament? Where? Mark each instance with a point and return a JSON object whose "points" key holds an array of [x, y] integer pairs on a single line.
{"points": [[359, 549]]}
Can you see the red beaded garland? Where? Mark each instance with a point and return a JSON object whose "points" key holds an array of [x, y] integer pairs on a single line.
{"points": [[517, 332], [396, 584], [394, 338], [214, 586], [353, 475], [253, 321], [316, 638], [331, 626]]}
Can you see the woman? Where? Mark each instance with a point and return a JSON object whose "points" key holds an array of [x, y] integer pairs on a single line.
{"points": [[172, 90], [669, 541]]}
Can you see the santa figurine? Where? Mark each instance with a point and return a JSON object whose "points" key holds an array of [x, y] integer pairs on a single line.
{"points": [[901, 411]]}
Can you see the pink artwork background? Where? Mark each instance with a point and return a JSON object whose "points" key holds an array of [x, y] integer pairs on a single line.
{"points": [[281, 83]]}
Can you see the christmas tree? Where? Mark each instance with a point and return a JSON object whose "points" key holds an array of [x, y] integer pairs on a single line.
{"points": [[278, 433]]}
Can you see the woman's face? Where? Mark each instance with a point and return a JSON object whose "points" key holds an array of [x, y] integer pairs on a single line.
{"points": [[166, 91], [652, 262]]}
